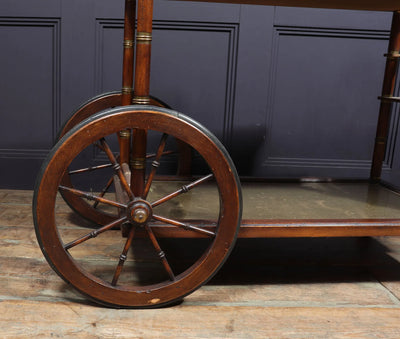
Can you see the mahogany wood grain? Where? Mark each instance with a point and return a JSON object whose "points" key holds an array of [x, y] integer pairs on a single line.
{"points": [[388, 88], [127, 74], [143, 48], [142, 90], [128, 54], [319, 228], [86, 110], [138, 148], [281, 228], [127, 293], [97, 104]]}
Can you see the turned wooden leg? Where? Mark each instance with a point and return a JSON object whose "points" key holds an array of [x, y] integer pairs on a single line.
{"points": [[387, 98]]}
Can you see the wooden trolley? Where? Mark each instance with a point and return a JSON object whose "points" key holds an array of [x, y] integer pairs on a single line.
{"points": [[159, 175]]}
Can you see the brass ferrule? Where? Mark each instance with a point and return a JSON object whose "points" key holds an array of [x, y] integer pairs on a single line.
{"points": [[141, 100], [127, 90], [380, 140], [128, 44], [393, 55], [389, 98], [138, 163], [125, 134], [144, 37]]}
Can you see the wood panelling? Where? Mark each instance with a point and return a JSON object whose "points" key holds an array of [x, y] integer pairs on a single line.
{"points": [[322, 104], [291, 92], [203, 88], [30, 73], [25, 8], [108, 54]]}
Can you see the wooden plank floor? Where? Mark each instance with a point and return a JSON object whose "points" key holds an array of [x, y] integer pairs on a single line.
{"points": [[269, 288]]}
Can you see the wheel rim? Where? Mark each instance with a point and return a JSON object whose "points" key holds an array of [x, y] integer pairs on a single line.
{"points": [[65, 261]]}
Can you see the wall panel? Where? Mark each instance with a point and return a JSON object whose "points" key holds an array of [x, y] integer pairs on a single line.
{"points": [[30, 93], [290, 92], [193, 67], [323, 101]]}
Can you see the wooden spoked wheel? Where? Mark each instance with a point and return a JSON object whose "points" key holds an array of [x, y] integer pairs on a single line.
{"points": [[93, 212], [142, 269]]}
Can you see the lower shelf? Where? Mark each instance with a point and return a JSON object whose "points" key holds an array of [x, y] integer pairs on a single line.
{"points": [[312, 210], [272, 210], [319, 210]]}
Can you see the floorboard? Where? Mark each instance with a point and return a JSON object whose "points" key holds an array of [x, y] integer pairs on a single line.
{"points": [[269, 288]]}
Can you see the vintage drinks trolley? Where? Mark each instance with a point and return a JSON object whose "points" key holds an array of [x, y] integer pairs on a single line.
{"points": [[157, 175]]}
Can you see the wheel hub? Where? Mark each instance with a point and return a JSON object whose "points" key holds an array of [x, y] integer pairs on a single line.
{"points": [[139, 212]]}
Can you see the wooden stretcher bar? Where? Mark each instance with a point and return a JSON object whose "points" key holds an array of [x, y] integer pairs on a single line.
{"points": [[307, 228]]}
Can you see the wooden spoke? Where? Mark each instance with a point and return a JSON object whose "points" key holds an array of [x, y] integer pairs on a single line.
{"points": [[160, 253], [89, 169], [123, 257], [153, 155], [155, 164], [94, 233], [100, 147], [184, 225], [104, 191], [90, 196], [117, 168], [183, 189]]}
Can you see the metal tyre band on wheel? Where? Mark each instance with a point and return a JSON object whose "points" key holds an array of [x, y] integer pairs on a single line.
{"points": [[128, 262]]}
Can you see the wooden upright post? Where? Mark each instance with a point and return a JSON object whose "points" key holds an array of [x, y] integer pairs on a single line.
{"points": [[142, 91], [128, 56], [127, 74], [387, 98]]}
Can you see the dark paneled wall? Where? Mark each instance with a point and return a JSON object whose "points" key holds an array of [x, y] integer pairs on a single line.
{"points": [[30, 38], [291, 92]]}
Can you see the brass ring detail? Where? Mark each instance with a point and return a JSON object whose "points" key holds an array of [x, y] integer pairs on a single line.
{"points": [[380, 140], [125, 134], [138, 163], [144, 37], [141, 100], [389, 98], [393, 55], [127, 90], [129, 43]]}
